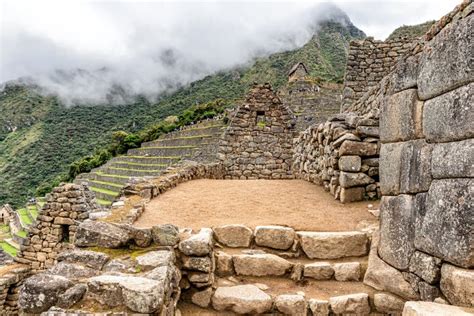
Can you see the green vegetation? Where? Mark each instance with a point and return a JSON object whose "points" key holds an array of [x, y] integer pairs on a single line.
{"points": [[105, 191], [21, 233], [411, 31], [43, 142], [9, 249], [24, 218]]}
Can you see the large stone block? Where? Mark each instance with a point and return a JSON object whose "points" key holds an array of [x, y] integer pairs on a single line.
{"points": [[199, 244], [405, 74], [350, 163], [446, 61], [457, 285], [388, 303], [277, 237], [352, 194], [401, 117], [397, 230], [101, 234], [294, 305], [426, 267], [333, 245], [261, 265], [415, 174], [449, 117], [233, 235], [242, 299], [434, 309], [390, 168], [350, 304], [318, 270], [352, 179], [453, 160], [350, 147], [446, 231]]}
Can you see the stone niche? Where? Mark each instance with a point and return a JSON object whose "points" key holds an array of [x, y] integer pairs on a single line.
{"points": [[258, 142]]}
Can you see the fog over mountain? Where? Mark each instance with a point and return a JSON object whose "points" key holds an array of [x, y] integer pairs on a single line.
{"points": [[84, 50]]}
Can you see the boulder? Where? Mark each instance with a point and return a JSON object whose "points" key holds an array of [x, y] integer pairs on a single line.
{"points": [[350, 304], [435, 309], [397, 231], [318, 270], [388, 303], [350, 147], [276, 237], [260, 265], [235, 235], [73, 271], [291, 304], [353, 179], [347, 271], [71, 296], [42, 291], [384, 277], [242, 299], [445, 62], [449, 117], [401, 117], [446, 229], [154, 259], [350, 163], [333, 245], [426, 267], [319, 307], [457, 285], [91, 259], [453, 160], [165, 234], [101, 234], [199, 244], [142, 237]]}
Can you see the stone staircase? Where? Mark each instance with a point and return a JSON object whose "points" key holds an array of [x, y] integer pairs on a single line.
{"points": [[195, 142]]}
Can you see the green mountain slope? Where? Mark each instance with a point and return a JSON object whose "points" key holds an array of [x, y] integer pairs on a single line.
{"points": [[411, 31], [40, 137]]}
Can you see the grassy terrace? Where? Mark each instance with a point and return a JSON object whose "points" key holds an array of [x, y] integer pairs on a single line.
{"points": [[141, 164], [21, 233], [103, 202], [24, 218], [187, 137], [12, 251], [105, 191], [33, 211], [168, 147], [154, 157], [135, 170], [101, 173], [119, 186]]}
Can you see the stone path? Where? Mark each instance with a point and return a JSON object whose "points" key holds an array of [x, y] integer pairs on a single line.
{"points": [[295, 203]]}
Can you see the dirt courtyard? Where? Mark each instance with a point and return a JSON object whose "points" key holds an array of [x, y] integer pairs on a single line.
{"points": [[295, 203]]}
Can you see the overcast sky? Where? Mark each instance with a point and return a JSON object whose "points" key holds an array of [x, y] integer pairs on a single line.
{"points": [[151, 45]]}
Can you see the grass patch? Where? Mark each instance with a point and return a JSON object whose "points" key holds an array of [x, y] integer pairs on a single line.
{"points": [[21, 233], [154, 157], [12, 251], [105, 191], [185, 137], [107, 183], [100, 173], [135, 170], [132, 252], [24, 218], [4, 228], [141, 164], [168, 147], [103, 202]]}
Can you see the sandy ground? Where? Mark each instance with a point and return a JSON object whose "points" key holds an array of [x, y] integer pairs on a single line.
{"points": [[295, 203]]}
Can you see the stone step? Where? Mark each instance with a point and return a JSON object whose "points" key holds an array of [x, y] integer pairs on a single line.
{"points": [[137, 165], [110, 186], [105, 177], [148, 159], [162, 151], [104, 194], [182, 141], [131, 171], [213, 129]]}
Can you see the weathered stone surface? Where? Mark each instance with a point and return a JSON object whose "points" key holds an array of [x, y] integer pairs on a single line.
{"points": [[446, 61], [235, 235], [397, 230], [446, 231], [224, 264], [434, 309], [384, 277], [401, 117], [352, 179], [318, 270], [453, 160], [388, 303], [41, 291], [390, 165], [71, 296], [319, 307], [73, 271], [202, 298], [415, 173], [142, 237], [457, 285], [350, 147], [260, 265], [426, 267], [405, 74], [165, 235], [427, 291], [277, 237], [350, 163], [347, 271], [101, 234], [352, 194], [449, 117], [154, 259], [291, 304], [92, 259], [242, 299], [202, 264], [352, 303], [199, 244], [333, 245]]}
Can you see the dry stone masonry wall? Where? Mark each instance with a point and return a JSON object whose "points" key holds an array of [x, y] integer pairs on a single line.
{"points": [[11, 279], [258, 142], [426, 167], [342, 155], [368, 62]]}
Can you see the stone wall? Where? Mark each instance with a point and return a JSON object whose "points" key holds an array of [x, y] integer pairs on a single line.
{"points": [[368, 62], [341, 155], [426, 167], [258, 142], [11, 280], [56, 225]]}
